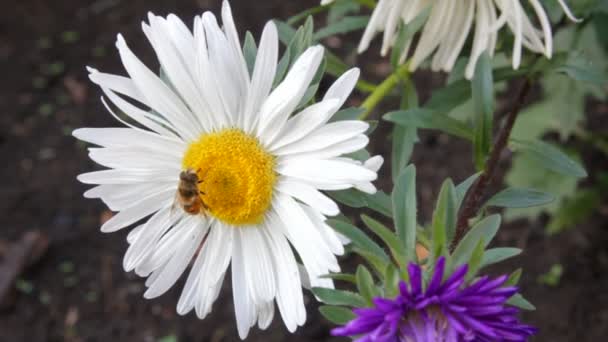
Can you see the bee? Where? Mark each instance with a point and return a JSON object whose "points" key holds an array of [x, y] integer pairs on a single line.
{"points": [[188, 194]]}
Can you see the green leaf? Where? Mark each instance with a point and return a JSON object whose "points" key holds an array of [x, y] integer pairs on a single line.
{"points": [[520, 198], [519, 301], [349, 278], [344, 25], [377, 262], [352, 113], [458, 92], [336, 314], [404, 137], [365, 284], [482, 88], [583, 74], [462, 188], [388, 237], [358, 238], [338, 297], [561, 186], [404, 210], [550, 157], [351, 197], [282, 67], [381, 203], [308, 95], [496, 255], [444, 218], [405, 34], [424, 118], [475, 261], [250, 51], [514, 278], [485, 229], [391, 281]]}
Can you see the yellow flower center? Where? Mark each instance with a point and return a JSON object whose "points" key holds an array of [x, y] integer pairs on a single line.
{"points": [[236, 175]]}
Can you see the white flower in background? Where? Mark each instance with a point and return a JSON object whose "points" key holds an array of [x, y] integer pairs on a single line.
{"points": [[449, 24], [249, 173]]}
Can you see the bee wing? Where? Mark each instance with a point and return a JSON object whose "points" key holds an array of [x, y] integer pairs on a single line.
{"points": [[175, 207]]}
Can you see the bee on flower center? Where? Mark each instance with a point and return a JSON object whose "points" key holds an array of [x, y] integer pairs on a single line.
{"points": [[188, 194]]}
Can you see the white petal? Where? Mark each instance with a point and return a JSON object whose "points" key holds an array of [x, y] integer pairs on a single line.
{"points": [[123, 137], [259, 270], [192, 237], [287, 95], [158, 95], [263, 74], [331, 171], [309, 195], [325, 136], [305, 122], [138, 211], [343, 86]]}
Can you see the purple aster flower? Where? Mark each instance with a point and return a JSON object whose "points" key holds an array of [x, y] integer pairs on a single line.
{"points": [[448, 311]]}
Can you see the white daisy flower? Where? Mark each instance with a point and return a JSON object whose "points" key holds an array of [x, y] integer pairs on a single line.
{"points": [[449, 24], [251, 173]]}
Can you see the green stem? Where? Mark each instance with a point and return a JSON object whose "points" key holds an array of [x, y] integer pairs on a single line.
{"points": [[383, 89]]}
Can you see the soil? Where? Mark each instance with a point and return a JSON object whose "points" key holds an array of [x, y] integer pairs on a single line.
{"points": [[79, 292]]}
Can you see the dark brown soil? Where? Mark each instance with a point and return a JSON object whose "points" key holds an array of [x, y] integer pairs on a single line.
{"points": [[79, 292]]}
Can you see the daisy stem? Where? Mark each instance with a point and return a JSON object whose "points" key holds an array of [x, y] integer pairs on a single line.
{"points": [[402, 73]]}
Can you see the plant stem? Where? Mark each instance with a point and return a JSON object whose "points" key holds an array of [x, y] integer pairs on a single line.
{"points": [[475, 195], [383, 89]]}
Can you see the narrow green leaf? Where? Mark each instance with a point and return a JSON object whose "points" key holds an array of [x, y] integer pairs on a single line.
{"points": [[519, 301], [583, 74], [286, 32], [338, 297], [350, 197], [405, 34], [404, 137], [282, 67], [358, 238], [347, 114], [550, 157], [514, 278], [485, 229], [349, 278], [365, 284], [424, 118], [308, 95], [250, 51], [520, 198], [391, 281], [444, 219], [476, 260], [496, 255], [388, 237], [458, 92], [483, 100], [336, 314], [377, 262], [462, 188], [381, 203], [404, 211], [344, 25]]}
